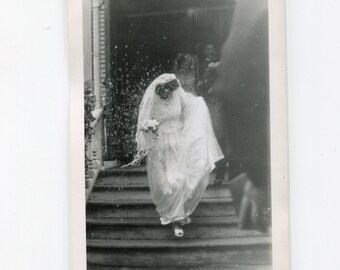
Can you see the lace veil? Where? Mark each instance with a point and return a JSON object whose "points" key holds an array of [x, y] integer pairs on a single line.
{"points": [[145, 140]]}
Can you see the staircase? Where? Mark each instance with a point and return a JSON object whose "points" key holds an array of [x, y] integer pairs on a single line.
{"points": [[124, 231]]}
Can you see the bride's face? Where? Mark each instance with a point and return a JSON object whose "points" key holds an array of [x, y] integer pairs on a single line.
{"points": [[165, 93]]}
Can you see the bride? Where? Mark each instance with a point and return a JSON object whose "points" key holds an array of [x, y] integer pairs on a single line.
{"points": [[174, 131]]}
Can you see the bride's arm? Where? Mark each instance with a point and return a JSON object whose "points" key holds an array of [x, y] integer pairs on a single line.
{"points": [[187, 100], [185, 97]]}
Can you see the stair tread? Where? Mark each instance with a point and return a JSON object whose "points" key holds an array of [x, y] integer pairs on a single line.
{"points": [[116, 180], [179, 243], [124, 180], [156, 221], [215, 266], [143, 195], [142, 185], [149, 201], [123, 186], [141, 169], [107, 211], [146, 232]]}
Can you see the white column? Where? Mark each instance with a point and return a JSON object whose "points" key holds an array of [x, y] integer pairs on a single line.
{"points": [[96, 4]]}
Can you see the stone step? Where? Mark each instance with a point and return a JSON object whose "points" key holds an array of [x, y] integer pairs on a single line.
{"points": [[109, 195], [132, 183], [156, 221], [149, 211], [118, 203], [124, 231], [153, 230], [141, 170], [121, 187], [178, 243], [109, 180], [180, 252], [122, 180], [238, 266], [159, 232], [219, 229]]}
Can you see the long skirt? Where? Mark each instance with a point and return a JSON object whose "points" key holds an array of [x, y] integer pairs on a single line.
{"points": [[179, 168]]}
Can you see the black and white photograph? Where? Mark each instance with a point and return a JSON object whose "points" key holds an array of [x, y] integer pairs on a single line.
{"points": [[177, 135], [170, 134]]}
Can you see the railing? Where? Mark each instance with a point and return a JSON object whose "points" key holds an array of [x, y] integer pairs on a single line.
{"points": [[95, 150]]}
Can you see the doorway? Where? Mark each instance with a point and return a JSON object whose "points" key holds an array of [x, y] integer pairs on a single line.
{"points": [[145, 37]]}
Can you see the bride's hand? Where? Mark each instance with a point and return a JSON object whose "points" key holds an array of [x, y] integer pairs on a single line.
{"points": [[154, 129]]}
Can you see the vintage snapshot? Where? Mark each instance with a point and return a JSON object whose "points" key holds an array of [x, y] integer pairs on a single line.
{"points": [[177, 165]]}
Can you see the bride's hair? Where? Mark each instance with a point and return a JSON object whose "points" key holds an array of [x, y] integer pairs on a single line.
{"points": [[171, 85]]}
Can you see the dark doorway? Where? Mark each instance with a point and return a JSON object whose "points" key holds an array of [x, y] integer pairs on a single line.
{"points": [[145, 38]]}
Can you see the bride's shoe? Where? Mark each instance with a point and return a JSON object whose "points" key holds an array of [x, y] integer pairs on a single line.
{"points": [[178, 230]]}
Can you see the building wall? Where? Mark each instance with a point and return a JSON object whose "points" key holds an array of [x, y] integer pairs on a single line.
{"points": [[103, 44], [87, 39]]}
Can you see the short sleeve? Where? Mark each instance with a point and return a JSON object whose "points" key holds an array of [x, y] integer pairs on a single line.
{"points": [[185, 97], [187, 101]]}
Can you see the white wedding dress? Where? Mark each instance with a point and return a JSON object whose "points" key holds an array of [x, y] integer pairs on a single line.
{"points": [[181, 155]]}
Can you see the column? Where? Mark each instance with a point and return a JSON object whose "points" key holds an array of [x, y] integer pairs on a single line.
{"points": [[96, 4]]}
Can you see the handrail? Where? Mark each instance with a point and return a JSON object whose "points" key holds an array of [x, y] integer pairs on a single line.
{"points": [[97, 114], [94, 150]]}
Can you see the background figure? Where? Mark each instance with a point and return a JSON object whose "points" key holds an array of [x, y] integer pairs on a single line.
{"points": [[209, 56], [244, 83], [207, 76], [185, 66]]}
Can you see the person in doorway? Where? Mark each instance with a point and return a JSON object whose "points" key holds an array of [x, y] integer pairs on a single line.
{"points": [[185, 71], [207, 76], [175, 132], [209, 57]]}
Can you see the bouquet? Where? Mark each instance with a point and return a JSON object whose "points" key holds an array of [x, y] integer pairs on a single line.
{"points": [[150, 125], [147, 125]]}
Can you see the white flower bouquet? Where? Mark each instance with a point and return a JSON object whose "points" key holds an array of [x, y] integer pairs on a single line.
{"points": [[149, 125]]}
